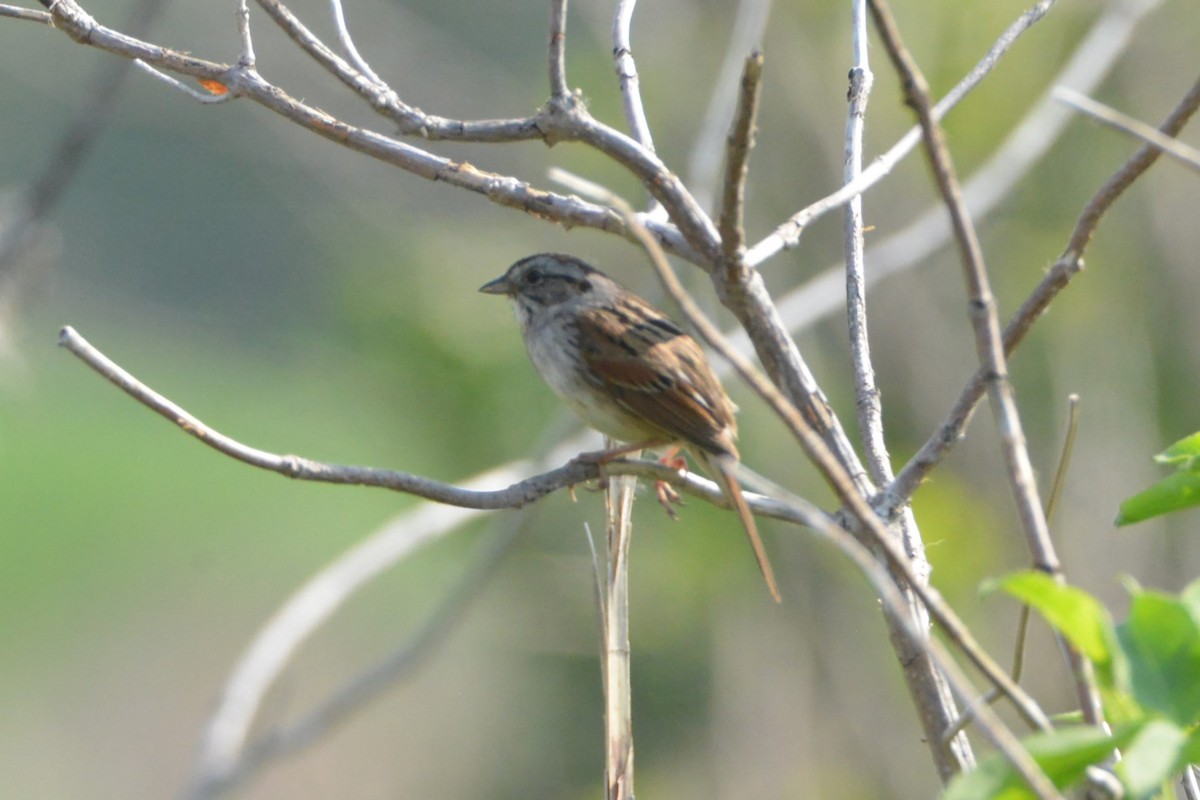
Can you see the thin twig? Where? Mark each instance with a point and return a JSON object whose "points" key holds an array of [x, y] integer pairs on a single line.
{"points": [[704, 161], [1087, 690], [355, 694], [787, 235], [557, 53], [1189, 784], [198, 95], [981, 302], [988, 339], [519, 494], [870, 411], [524, 491], [27, 14], [1189, 156], [39, 199], [1023, 148], [1056, 489], [618, 694], [951, 753], [739, 143], [627, 75], [1064, 457], [247, 58], [343, 30], [1068, 265], [298, 618], [500, 189]]}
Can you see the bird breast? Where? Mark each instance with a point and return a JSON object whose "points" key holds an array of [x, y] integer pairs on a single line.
{"points": [[551, 339]]}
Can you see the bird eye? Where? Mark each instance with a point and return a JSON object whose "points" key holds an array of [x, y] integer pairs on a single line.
{"points": [[533, 278]]}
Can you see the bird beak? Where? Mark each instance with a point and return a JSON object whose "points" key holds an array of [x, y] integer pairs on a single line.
{"points": [[498, 286]]}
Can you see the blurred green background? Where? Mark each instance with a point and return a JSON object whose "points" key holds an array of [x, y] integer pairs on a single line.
{"points": [[305, 299]]}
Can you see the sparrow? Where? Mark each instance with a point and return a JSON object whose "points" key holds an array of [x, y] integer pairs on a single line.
{"points": [[626, 370]]}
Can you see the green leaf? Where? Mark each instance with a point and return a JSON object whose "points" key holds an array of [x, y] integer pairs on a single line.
{"points": [[1152, 758], [1184, 454], [1174, 492], [1081, 618], [1190, 598], [1063, 755], [1161, 642]]}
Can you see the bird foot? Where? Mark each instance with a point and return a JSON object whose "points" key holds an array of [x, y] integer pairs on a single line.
{"points": [[668, 498]]}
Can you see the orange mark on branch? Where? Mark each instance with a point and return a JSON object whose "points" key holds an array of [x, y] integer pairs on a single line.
{"points": [[216, 87]]}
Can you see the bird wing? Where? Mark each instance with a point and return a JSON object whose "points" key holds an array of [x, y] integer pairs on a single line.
{"points": [[655, 371]]}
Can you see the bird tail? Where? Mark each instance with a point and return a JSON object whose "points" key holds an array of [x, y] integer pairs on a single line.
{"points": [[723, 469]]}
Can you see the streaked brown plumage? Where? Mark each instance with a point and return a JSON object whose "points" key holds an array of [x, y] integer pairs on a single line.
{"points": [[626, 369]]}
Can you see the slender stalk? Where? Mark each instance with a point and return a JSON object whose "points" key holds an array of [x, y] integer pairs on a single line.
{"points": [[618, 710]]}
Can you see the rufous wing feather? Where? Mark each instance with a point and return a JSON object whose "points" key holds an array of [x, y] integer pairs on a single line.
{"points": [[646, 364]]}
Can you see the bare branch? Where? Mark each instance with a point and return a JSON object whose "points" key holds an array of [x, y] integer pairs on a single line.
{"points": [[1021, 150], [27, 14], [1068, 265], [69, 17], [737, 158], [787, 235], [515, 496], [69, 153], [870, 411], [565, 121], [951, 751], [1189, 156], [339, 22], [500, 189], [306, 610], [1189, 784], [243, 27], [198, 95], [981, 302], [618, 694], [240, 759], [557, 52], [627, 76], [704, 161]]}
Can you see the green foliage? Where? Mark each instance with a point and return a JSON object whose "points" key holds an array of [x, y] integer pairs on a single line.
{"points": [[1063, 755], [1175, 492], [1079, 616], [1146, 668]]}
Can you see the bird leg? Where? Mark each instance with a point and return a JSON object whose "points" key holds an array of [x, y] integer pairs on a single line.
{"points": [[668, 498]]}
